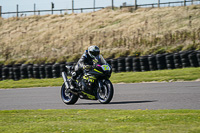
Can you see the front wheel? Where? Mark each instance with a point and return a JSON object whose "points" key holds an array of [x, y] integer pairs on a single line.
{"points": [[68, 97], [105, 93]]}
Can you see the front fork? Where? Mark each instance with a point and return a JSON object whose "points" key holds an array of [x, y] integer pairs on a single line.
{"points": [[64, 76], [100, 83]]}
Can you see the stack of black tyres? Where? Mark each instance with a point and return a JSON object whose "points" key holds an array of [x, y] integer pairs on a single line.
{"points": [[144, 64], [152, 62], [5, 72], [129, 63], [177, 60], [185, 59], [161, 62], [108, 61], [62, 69], [0, 72], [16, 72], [198, 57], [193, 59], [114, 65], [30, 70], [136, 64], [56, 70], [36, 72], [170, 61], [42, 71], [24, 71], [121, 64], [11, 74], [48, 71]]}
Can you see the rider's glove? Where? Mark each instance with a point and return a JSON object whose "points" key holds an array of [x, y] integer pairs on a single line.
{"points": [[86, 67], [95, 61]]}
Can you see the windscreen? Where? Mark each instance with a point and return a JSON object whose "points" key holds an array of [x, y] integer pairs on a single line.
{"points": [[101, 60]]}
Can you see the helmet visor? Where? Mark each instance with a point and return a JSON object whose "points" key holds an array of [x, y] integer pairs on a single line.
{"points": [[94, 53]]}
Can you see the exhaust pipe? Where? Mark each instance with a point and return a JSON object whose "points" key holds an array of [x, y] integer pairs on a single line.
{"points": [[64, 76]]}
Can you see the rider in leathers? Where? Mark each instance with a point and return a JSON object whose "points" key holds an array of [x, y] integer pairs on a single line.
{"points": [[85, 62]]}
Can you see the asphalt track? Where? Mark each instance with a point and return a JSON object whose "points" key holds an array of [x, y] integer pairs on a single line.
{"points": [[174, 95]]}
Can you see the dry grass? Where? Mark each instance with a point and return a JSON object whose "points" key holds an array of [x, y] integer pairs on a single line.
{"points": [[59, 38]]}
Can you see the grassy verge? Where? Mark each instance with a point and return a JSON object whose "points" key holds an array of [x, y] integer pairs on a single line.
{"points": [[100, 121], [186, 74]]}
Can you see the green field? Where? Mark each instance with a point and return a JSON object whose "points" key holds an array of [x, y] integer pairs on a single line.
{"points": [[116, 121], [186, 74]]}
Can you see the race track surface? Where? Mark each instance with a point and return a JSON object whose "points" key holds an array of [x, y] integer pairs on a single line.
{"points": [[175, 95]]}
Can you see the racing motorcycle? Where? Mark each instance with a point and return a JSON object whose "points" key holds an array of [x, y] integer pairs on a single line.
{"points": [[93, 84]]}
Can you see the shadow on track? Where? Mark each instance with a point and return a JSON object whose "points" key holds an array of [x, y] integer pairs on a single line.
{"points": [[122, 102]]}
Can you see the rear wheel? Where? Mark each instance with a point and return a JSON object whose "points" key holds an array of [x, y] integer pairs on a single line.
{"points": [[68, 97], [105, 94]]}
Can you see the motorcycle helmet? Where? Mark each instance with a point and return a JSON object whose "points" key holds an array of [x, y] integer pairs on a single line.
{"points": [[93, 51]]}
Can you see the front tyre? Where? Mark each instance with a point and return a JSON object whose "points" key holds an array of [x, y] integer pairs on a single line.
{"points": [[68, 97], [105, 94]]}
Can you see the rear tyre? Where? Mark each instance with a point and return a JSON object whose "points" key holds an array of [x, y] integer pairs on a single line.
{"points": [[68, 97], [105, 94]]}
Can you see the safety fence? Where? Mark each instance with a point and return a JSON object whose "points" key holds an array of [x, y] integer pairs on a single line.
{"points": [[18, 13], [169, 4], [123, 64]]}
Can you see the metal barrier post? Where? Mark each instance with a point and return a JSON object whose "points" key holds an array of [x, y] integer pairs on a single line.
{"points": [[184, 2], [34, 8], [72, 6], [17, 11], [158, 3], [0, 11], [94, 6], [112, 5], [52, 7], [135, 4]]}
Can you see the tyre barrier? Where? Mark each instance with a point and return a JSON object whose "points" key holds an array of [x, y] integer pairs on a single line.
{"points": [[30, 71], [5, 72], [129, 63], [161, 62], [42, 71], [56, 70], [16, 72], [136, 64], [152, 63], [185, 58], [193, 59], [108, 61], [114, 65], [48, 71], [11, 74], [0, 73], [62, 69], [121, 64], [198, 57], [177, 60], [24, 71], [144, 63], [170, 61], [36, 72]]}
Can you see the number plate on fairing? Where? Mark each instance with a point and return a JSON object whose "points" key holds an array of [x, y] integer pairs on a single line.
{"points": [[105, 67]]}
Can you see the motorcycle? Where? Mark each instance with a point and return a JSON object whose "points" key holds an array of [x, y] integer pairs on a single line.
{"points": [[93, 84]]}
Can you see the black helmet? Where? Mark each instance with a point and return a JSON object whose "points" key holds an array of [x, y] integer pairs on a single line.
{"points": [[93, 51]]}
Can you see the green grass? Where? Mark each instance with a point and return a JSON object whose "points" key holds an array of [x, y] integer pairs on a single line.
{"points": [[94, 121], [186, 74]]}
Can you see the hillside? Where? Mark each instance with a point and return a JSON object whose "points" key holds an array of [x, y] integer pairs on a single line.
{"points": [[57, 38]]}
